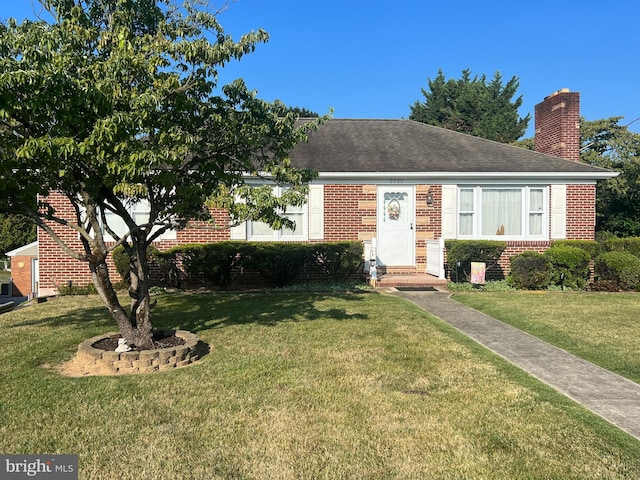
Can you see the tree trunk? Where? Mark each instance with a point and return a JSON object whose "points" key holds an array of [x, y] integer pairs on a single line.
{"points": [[140, 298], [136, 328]]}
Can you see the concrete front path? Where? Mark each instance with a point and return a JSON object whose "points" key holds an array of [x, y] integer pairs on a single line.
{"points": [[607, 394]]}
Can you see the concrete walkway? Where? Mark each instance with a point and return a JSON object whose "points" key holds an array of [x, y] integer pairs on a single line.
{"points": [[607, 394]]}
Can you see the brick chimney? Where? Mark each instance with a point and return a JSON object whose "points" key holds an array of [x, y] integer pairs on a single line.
{"points": [[557, 122]]}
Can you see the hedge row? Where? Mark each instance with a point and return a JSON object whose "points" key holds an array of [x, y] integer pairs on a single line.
{"points": [[560, 265], [616, 265], [228, 262]]}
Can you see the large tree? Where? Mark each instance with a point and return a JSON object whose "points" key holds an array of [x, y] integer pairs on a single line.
{"points": [[116, 102], [605, 143], [474, 106]]}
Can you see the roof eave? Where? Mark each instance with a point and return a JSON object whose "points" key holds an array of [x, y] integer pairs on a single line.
{"points": [[431, 176]]}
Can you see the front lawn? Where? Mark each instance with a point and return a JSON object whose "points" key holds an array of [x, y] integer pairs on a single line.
{"points": [[296, 386], [603, 328]]}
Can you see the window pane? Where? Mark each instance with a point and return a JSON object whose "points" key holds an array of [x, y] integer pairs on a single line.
{"points": [[535, 224], [501, 211], [536, 200], [298, 231], [466, 211], [115, 223], [261, 229], [466, 224], [466, 200]]}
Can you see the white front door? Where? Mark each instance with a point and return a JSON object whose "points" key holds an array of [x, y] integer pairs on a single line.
{"points": [[396, 229]]}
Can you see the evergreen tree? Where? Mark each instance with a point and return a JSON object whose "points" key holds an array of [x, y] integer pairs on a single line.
{"points": [[474, 106]]}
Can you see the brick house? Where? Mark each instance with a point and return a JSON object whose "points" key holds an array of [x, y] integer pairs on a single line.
{"points": [[403, 187]]}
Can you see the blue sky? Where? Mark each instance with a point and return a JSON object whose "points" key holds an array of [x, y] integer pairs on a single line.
{"points": [[370, 59]]}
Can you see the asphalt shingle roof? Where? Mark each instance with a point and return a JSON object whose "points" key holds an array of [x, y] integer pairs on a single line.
{"points": [[345, 145]]}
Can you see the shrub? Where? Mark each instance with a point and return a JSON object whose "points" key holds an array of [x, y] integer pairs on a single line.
{"points": [[70, 289], [629, 245], [460, 254], [592, 247], [281, 263], [213, 261], [569, 266], [617, 271], [122, 261], [530, 271], [338, 260]]}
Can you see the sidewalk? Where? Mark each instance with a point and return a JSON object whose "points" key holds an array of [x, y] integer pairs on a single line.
{"points": [[607, 394]]}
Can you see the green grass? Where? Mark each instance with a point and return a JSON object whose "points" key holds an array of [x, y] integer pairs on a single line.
{"points": [[602, 328], [296, 386]]}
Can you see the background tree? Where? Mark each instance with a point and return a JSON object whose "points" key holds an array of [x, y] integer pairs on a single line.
{"points": [[474, 106], [302, 112], [115, 102], [605, 143], [15, 231]]}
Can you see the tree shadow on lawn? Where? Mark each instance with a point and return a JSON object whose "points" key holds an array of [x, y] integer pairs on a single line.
{"points": [[204, 311], [196, 312], [96, 316]]}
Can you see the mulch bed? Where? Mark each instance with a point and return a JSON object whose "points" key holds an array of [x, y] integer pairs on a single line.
{"points": [[161, 339]]}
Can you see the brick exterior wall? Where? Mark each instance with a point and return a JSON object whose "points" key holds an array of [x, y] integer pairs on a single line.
{"points": [[581, 211], [349, 212], [21, 275], [557, 125]]}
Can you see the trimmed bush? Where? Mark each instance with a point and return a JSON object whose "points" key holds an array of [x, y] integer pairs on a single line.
{"points": [[530, 271], [617, 271], [460, 254], [339, 260], [629, 245], [281, 263], [215, 262], [569, 266], [592, 247]]}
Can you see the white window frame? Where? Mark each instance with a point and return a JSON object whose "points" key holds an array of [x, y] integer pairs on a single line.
{"points": [[525, 217], [281, 235]]}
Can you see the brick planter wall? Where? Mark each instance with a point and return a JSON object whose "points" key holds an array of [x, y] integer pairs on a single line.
{"points": [[95, 361]]}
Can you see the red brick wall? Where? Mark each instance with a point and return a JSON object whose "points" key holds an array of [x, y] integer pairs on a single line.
{"points": [[349, 212], [557, 125], [21, 275], [581, 211]]}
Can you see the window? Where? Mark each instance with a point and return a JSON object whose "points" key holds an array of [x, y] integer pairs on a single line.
{"points": [[139, 212], [262, 231], [503, 212]]}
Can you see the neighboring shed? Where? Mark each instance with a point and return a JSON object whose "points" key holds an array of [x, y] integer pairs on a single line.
{"points": [[24, 270]]}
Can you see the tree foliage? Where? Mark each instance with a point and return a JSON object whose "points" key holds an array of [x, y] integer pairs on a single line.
{"points": [[473, 105], [115, 102], [605, 143], [15, 231]]}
